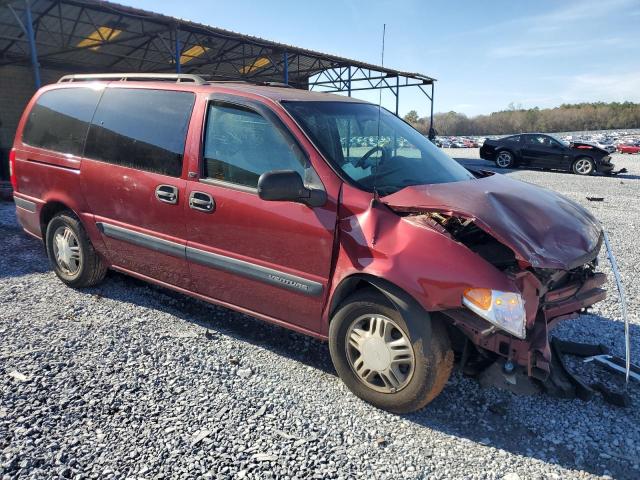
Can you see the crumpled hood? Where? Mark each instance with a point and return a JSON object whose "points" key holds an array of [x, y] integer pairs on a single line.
{"points": [[543, 228]]}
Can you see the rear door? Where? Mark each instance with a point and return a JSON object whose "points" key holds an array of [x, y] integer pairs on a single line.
{"points": [[270, 258], [133, 181]]}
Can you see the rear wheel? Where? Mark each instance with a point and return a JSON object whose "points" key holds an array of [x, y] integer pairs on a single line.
{"points": [[74, 259], [395, 364], [583, 166], [505, 159]]}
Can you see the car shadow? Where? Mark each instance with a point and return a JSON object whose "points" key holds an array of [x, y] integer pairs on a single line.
{"points": [[31, 256]]}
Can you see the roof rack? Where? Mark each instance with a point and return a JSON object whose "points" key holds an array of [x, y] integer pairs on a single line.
{"points": [[125, 77]]}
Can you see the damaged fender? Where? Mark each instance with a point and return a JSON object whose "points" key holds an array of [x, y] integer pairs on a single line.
{"points": [[426, 264]]}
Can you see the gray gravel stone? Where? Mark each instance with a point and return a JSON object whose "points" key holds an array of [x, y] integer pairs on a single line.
{"points": [[125, 377]]}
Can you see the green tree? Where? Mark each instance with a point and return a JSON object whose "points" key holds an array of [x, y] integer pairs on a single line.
{"points": [[412, 117], [515, 119]]}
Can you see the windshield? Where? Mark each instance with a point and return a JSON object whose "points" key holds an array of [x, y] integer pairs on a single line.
{"points": [[559, 140], [387, 157]]}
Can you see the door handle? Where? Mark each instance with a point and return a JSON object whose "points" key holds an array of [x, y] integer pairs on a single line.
{"points": [[202, 201], [167, 194]]}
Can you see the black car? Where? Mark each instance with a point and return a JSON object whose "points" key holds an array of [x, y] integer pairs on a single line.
{"points": [[538, 150]]}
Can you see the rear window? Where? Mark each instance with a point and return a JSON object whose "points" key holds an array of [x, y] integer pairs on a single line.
{"points": [[142, 129], [60, 119]]}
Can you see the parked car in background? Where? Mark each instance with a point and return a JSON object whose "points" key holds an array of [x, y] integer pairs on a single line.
{"points": [[252, 197], [539, 150], [629, 148], [607, 146]]}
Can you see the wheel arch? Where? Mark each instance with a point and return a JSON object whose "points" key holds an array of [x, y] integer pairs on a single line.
{"points": [[399, 299], [50, 210]]}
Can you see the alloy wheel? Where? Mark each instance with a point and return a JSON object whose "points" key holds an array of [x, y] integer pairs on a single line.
{"points": [[504, 159], [66, 250], [583, 166], [380, 353]]}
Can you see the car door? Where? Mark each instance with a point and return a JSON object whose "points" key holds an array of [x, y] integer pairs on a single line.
{"points": [[132, 176], [272, 259], [539, 151]]}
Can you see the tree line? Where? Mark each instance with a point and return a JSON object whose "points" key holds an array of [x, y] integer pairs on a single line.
{"points": [[565, 118]]}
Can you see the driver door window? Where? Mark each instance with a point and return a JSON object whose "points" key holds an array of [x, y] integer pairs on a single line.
{"points": [[240, 145]]}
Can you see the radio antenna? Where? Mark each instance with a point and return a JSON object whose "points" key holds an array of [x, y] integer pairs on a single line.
{"points": [[375, 175]]}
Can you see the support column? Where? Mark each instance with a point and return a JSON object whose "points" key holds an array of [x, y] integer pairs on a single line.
{"points": [[178, 51], [285, 58], [397, 94], [32, 45], [349, 82], [432, 130]]}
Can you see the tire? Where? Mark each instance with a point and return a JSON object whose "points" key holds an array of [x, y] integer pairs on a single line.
{"points": [[71, 253], [583, 166], [426, 343], [505, 159]]}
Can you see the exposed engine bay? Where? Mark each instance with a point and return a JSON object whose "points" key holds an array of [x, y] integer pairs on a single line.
{"points": [[467, 232]]}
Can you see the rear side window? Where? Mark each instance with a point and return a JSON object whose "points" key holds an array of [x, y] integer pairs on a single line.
{"points": [[60, 119], [240, 145], [142, 129]]}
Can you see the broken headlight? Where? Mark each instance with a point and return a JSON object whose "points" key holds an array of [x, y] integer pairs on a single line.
{"points": [[505, 310]]}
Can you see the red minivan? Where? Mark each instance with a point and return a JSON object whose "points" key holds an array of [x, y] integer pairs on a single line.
{"points": [[261, 199]]}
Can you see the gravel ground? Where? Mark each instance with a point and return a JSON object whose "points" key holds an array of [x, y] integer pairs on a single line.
{"points": [[127, 380]]}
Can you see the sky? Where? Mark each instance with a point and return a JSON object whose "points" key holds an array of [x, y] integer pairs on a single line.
{"points": [[484, 54]]}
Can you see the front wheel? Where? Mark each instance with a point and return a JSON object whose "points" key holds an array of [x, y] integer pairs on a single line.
{"points": [[393, 363], [583, 166], [73, 257], [505, 159]]}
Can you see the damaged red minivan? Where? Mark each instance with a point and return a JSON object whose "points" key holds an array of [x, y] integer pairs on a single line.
{"points": [[321, 213]]}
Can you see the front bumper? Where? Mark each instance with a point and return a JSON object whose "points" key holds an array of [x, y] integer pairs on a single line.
{"points": [[534, 352]]}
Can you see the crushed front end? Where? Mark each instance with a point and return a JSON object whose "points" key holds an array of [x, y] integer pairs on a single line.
{"points": [[550, 297], [544, 244]]}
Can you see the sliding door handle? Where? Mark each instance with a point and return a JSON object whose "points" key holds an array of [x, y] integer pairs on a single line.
{"points": [[202, 201]]}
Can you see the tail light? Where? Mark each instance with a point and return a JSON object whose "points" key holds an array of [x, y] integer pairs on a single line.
{"points": [[12, 169]]}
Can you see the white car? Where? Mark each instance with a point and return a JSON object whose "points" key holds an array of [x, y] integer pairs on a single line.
{"points": [[609, 147]]}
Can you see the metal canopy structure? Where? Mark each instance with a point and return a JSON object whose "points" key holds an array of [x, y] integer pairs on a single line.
{"points": [[99, 36]]}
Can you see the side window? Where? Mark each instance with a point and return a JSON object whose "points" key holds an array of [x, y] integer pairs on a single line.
{"points": [[539, 140], [240, 145], [142, 129], [60, 118], [515, 139]]}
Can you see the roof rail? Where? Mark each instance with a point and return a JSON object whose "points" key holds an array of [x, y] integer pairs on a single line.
{"points": [[125, 77]]}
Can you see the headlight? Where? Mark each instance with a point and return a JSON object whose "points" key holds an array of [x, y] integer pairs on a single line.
{"points": [[503, 309]]}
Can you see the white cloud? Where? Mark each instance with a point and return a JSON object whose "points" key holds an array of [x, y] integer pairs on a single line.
{"points": [[534, 49], [606, 87], [546, 48]]}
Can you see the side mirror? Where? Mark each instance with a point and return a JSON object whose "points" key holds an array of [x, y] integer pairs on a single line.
{"points": [[287, 186]]}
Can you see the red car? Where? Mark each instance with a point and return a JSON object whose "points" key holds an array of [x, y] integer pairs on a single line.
{"points": [[253, 198], [631, 148]]}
